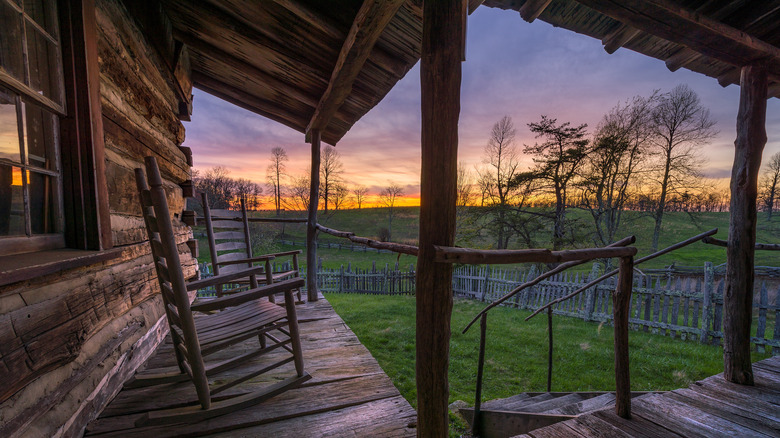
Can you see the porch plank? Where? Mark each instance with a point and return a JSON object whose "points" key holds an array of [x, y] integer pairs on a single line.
{"points": [[348, 395]]}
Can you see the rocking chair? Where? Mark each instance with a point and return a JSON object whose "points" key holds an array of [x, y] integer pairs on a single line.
{"points": [[232, 319], [230, 248]]}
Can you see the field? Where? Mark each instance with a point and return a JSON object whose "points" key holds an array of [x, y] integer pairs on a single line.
{"points": [[516, 351], [367, 222]]}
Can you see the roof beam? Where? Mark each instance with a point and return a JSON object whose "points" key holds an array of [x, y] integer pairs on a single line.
{"points": [[222, 56], [619, 37], [370, 22], [532, 9], [668, 20]]}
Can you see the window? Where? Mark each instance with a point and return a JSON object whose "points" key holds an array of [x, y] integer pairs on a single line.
{"points": [[31, 103]]}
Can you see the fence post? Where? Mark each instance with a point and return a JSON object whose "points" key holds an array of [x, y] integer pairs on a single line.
{"points": [[590, 294], [706, 303], [485, 284], [341, 279]]}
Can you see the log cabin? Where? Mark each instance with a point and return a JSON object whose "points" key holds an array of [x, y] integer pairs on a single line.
{"points": [[90, 87]]}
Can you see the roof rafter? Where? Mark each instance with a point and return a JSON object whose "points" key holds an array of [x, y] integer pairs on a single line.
{"points": [[674, 23], [532, 9], [370, 22]]}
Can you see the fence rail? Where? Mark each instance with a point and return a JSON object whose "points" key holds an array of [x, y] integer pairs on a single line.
{"points": [[332, 245], [683, 306]]}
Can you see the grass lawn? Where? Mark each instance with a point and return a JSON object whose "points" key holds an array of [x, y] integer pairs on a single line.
{"points": [[677, 226], [516, 352]]}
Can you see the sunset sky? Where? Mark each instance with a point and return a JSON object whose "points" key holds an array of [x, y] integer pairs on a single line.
{"points": [[512, 68]]}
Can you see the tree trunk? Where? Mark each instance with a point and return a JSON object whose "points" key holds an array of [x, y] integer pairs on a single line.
{"points": [[659, 213], [440, 73], [311, 226], [738, 296]]}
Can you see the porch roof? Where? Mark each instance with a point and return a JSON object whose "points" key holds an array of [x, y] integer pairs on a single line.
{"points": [[311, 64]]}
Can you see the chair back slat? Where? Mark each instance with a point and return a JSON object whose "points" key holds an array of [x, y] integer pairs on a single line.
{"points": [[219, 213], [229, 235], [230, 246], [170, 275], [231, 225]]}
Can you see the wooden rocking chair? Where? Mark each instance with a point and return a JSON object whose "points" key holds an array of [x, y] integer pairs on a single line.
{"points": [[230, 247], [235, 318]]}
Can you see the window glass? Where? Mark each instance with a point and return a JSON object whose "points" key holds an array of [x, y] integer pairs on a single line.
{"points": [[11, 51], [42, 11], [43, 64], [11, 201], [40, 128], [9, 129], [43, 203]]}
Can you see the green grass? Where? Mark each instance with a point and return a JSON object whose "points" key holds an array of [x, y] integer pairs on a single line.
{"points": [[366, 222], [516, 352], [677, 226]]}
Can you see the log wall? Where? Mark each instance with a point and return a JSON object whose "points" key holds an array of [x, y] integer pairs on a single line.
{"points": [[70, 339]]}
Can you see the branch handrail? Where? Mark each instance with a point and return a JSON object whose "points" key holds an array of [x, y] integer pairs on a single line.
{"points": [[560, 268], [759, 246], [449, 254], [391, 246], [703, 237], [261, 219]]}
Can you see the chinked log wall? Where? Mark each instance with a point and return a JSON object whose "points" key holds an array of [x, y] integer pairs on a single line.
{"points": [[69, 340]]}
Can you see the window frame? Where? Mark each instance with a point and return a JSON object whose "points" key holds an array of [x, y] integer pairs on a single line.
{"points": [[23, 95], [83, 192]]}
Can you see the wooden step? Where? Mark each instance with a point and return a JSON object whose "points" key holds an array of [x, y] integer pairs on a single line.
{"points": [[588, 405], [553, 403]]}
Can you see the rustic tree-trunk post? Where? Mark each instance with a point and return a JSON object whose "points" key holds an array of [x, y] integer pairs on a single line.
{"points": [[621, 304], [738, 296], [440, 73], [311, 227]]}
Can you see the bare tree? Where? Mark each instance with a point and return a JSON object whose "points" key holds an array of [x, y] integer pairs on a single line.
{"points": [[274, 173], [465, 186], [298, 197], [218, 185], [339, 195], [331, 169], [249, 191], [558, 160], [681, 126], [500, 165], [621, 140], [770, 185], [360, 192], [388, 197]]}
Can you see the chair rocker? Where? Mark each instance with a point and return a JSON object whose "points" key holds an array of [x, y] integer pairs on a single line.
{"points": [[232, 319], [230, 248]]}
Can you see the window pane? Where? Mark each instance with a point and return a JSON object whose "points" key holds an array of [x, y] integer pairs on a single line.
{"points": [[40, 137], [43, 203], [42, 11], [11, 201], [9, 129], [11, 59], [44, 65]]}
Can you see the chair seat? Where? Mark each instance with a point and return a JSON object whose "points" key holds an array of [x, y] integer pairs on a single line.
{"points": [[233, 325]]}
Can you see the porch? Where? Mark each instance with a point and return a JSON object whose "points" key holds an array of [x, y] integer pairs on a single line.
{"points": [[348, 395]]}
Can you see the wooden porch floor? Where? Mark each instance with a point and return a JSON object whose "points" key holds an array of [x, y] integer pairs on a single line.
{"points": [[348, 395], [708, 408]]}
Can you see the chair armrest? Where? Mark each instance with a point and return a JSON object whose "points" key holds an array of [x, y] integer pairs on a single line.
{"points": [[261, 258], [224, 278], [286, 253], [252, 294]]}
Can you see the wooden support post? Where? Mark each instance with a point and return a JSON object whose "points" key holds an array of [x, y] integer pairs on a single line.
{"points": [[311, 227], [738, 296], [475, 426], [621, 304], [444, 26], [549, 348]]}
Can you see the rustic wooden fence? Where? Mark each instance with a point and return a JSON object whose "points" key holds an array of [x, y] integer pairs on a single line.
{"points": [[687, 307], [385, 281], [354, 247]]}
